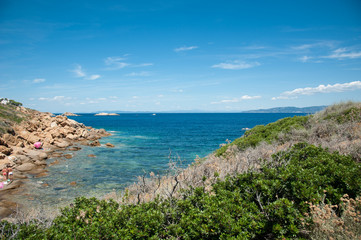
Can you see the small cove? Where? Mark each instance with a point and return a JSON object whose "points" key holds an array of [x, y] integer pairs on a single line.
{"points": [[143, 142]]}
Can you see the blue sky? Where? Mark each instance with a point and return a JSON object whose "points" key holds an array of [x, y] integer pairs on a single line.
{"points": [[214, 56]]}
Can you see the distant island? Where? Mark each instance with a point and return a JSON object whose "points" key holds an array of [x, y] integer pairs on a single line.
{"points": [[69, 114], [309, 110], [106, 114]]}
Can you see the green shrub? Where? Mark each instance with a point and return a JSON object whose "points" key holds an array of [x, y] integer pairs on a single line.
{"points": [[266, 204], [266, 133]]}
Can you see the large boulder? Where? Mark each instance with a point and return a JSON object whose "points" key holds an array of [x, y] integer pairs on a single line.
{"points": [[26, 167], [62, 144]]}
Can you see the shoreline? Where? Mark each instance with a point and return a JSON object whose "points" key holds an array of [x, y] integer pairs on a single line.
{"points": [[57, 133]]}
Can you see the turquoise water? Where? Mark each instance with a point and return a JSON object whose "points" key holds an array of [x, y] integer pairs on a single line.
{"points": [[143, 142]]}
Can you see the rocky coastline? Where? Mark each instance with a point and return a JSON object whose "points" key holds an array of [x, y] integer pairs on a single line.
{"points": [[57, 133]]}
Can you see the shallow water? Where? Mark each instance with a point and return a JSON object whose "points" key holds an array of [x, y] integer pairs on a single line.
{"points": [[143, 142]]}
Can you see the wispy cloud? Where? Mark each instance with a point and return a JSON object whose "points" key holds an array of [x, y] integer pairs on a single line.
{"points": [[338, 87], [343, 53], [115, 63], [235, 65], [138, 74], [182, 49], [236, 100], [79, 72], [56, 98], [93, 77], [39, 80]]}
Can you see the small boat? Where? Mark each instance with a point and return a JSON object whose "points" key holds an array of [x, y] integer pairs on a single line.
{"points": [[154, 114], [246, 128]]}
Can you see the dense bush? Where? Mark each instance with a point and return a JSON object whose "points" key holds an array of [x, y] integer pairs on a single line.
{"points": [[266, 133], [266, 204]]}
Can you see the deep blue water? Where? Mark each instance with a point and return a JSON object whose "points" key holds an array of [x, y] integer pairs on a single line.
{"points": [[143, 142]]}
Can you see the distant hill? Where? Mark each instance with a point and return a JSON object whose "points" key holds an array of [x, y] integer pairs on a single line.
{"points": [[310, 110]]}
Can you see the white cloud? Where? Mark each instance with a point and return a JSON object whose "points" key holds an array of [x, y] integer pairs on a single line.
{"points": [[93, 77], [236, 65], [236, 100], [182, 49], [138, 74], [305, 59], [338, 87], [79, 72], [160, 95], [56, 98], [115, 63], [343, 53], [39, 80]]}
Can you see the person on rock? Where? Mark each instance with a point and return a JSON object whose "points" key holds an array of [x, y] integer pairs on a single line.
{"points": [[5, 173], [10, 173]]}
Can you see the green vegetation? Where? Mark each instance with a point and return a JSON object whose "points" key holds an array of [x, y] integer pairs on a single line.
{"points": [[8, 116], [270, 203], [266, 133]]}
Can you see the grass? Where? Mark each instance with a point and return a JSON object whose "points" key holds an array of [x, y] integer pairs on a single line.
{"points": [[9, 116]]}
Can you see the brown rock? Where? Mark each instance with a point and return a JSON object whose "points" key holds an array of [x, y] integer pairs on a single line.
{"points": [[56, 154], [73, 183], [62, 144], [95, 143], [109, 145], [42, 174], [26, 167], [91, 155], [5, 150], [74, 148], [68, 156], [54, 163]]}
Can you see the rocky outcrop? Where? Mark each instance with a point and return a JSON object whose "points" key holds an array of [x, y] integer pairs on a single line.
{"points": [[55, 132], [17, 146], [69, 114]]}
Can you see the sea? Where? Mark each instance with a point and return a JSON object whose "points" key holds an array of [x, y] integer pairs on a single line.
{"points": [[144, 143]]}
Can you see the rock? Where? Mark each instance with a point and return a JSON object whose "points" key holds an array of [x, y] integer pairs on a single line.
{"points": [[26, 167], [73, 183], [68, 156], [69, 114], [56, 154], [53, 124], [62, 144], [42, 174], [43, 155], [54, 163], [5, 150], [40, 163], [74, 148], [95, 143], [91, 155], [109, 145], [72, 136]]}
